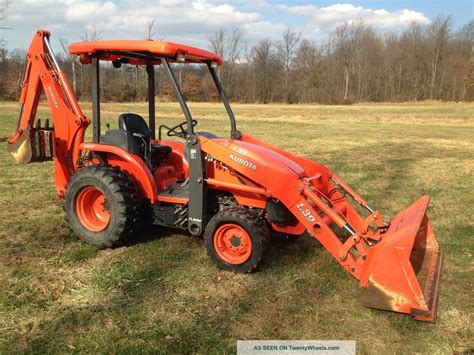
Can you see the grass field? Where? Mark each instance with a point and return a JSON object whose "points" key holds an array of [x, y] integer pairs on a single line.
{"points": [[162, 293]]}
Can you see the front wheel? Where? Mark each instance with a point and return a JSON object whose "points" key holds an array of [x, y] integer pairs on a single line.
{"points": [[236, 239], [102, 206]]}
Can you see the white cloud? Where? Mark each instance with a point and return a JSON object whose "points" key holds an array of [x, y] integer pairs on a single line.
{"points": [[85, 11], [263, 30], [188, 21], [326, 18]]}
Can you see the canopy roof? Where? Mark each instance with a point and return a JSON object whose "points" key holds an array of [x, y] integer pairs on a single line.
{"points": [[136, 51]]}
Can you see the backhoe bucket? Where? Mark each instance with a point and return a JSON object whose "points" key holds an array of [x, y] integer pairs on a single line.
{"points": [[32, 145], [402, 271]]}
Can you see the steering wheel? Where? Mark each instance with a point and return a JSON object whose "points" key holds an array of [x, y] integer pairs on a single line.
{"points": [[182, 133]]}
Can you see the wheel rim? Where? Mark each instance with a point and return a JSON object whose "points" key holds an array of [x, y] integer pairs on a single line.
{"points": [[92, 209], [232, 244]]}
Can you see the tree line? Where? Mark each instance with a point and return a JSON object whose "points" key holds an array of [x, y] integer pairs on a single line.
{"points": [[355, 63]]}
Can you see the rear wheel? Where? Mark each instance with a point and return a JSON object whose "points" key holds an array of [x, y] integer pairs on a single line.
{"points": [[236, 239], [102, 206]]}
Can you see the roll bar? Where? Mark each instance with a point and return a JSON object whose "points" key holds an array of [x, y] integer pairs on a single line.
{"points": [[234, 133], [179, 95]]}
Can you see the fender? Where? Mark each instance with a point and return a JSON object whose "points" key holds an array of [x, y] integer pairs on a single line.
{"points": [[129, 162]]}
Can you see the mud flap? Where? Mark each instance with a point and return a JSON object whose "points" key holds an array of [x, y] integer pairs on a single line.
{"points": [[32, 145], [402, 271]]}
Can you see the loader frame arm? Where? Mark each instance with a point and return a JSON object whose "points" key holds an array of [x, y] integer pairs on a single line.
{"points": [[63, 146]]}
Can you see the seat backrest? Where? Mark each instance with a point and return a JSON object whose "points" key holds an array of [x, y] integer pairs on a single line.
{"points": [[123, 139], [134, 123]]}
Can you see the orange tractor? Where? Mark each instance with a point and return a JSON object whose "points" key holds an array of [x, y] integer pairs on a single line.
{"points": [[238, 192]]}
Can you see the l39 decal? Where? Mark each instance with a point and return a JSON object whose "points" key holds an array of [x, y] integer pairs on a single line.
{"points": [[239, 150], [305, 212]]}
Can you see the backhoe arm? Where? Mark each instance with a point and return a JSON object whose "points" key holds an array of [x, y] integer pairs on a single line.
{"points": [[33, 142]]}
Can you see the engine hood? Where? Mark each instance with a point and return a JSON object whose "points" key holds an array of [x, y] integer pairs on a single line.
{"points": [[250, 153]]}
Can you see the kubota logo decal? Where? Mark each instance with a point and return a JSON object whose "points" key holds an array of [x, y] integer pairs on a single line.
{"points": [[243, 162], [55, 103], [305, 212]]}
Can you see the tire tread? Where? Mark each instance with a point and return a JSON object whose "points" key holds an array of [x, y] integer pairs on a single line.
{"points": [[127, 202], [254, 225]]}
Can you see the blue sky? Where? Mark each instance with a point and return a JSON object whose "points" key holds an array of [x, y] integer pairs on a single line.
{"points": [[192, 21]]}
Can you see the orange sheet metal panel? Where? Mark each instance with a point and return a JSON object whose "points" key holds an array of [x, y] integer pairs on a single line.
{"points": [[159, 48]]}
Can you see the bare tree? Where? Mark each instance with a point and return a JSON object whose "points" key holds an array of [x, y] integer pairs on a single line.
{"points": [[3, 8], [150, 33], [64, 45], [413, 66], [346, 41], [235, 45], [265, 62], [308, 68], [366, 53], [355, 63], [92, 34], [286, 50], [466, 32], [150, 30], [217, 41], [465, 44], [438, 36]]}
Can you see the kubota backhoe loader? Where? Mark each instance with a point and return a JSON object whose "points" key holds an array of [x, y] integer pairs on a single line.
{"points": [[238, 192]]}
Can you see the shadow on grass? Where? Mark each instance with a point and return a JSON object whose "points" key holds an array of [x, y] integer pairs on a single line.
{"points": [[151, 233], [164, 295]]}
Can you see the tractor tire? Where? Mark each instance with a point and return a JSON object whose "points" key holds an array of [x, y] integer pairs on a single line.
{"points": [[237, 239], [102, 206]]}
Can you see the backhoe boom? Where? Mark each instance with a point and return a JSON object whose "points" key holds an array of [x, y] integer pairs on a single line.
{"points": [[31, 142]]}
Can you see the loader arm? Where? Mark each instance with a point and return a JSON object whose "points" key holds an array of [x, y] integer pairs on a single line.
{"points": [[33, 142], [398, 263]]}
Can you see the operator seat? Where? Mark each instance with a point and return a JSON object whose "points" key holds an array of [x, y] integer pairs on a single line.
{"points": [[137, 127], [134, 124]]}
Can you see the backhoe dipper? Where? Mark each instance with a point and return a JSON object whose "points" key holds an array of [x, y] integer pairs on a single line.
{"points": [[238, 192]]}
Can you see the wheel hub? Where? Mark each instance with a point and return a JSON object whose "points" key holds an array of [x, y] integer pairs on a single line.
{"points": [[235, 241], [92, 209], [232, 244]]}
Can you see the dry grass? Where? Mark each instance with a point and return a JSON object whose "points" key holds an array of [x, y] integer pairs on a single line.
{"points": [[162, 294]]}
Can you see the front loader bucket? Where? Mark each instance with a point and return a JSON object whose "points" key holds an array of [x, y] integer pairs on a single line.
{"points": [[402, 271]]}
